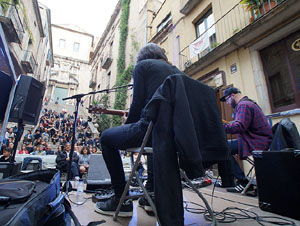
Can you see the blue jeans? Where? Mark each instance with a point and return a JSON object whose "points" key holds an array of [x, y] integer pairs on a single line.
{"points": [[237, 171], [28, 160]]}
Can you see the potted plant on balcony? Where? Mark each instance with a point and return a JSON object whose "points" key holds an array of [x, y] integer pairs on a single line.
{"points": [[258, 7]]}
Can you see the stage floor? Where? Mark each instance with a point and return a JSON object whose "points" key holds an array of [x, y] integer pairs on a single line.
{"points": [[221, 200]]}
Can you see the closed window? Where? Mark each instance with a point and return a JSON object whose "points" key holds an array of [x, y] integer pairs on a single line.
{"points": [[76, 47], [62, 43], [206, 25]]}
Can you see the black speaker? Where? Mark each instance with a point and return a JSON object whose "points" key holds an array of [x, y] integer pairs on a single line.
{"points": [[98, 175], [9, 169], [5, 88], [28, 100], [278, 181]]}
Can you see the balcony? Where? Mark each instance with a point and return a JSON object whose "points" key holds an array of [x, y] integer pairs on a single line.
{"points": [[106, 62], [12, 25], [28, 63], [236, 28], [188, 5]]}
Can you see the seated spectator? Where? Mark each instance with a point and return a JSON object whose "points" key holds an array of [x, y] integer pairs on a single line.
{"points": [[97, 142], [45, 135], [59, 149], [9, 134], [37, 135], [90, 141], [10, 142], [88, 132], [23, 150], [94, 150], [39, 151], [63, 141], [28, 137], [55, 138], [37, 141], [83, 142], [6, 155], [29, 147], [49, 150], [10, 145], [84, 160], [63, 158]]}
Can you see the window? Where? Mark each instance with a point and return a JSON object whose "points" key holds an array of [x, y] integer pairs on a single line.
{"points": [[108, 80], [62, 43], [110, 48], [206, 25], [164, 22], [282, 71], [76, 47]]}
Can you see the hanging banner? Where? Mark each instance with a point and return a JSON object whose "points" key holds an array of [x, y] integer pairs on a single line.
{"points": [[199, 45]]}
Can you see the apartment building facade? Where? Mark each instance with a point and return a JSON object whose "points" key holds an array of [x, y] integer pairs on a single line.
{"points": [[71, 72], [28, 35], [221, 43], [105, 54]]}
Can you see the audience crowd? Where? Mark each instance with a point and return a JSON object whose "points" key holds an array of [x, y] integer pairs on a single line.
{"points": [[53, 136]]}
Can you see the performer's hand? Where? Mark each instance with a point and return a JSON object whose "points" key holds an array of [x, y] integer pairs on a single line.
{"points": [[226, 122], [124, 118]]}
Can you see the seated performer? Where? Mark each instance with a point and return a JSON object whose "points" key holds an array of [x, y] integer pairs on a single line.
{"points": [[252, 129], [151, 70]]}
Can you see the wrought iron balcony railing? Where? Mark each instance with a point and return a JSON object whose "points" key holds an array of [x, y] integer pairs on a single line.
{"points": [[231, 23], [11, 19]]}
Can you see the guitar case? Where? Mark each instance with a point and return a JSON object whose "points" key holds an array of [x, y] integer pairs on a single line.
{"points": [[33, 199]]}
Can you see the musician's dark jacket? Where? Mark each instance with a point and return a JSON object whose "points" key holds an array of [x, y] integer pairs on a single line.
{"points": [[147, 77], [190, 108], [187, 121]]}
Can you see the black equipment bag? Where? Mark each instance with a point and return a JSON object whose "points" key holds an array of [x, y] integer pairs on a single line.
{"points": [[43, 206], [15, 190]]}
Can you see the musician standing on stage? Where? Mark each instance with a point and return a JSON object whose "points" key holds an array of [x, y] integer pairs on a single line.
{"points": [[252, 129], [151, 70]]}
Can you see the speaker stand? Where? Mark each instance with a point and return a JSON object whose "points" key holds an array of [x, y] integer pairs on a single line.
{"points": [[17, 139]]}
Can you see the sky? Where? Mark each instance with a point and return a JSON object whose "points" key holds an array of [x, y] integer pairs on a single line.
{"points": [[91, 15]]}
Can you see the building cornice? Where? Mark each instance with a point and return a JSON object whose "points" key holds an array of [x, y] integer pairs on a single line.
{"points": [[71, 30]]}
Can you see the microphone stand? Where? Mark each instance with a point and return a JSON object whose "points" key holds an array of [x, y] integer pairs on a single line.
{"points": [[78, 97]]}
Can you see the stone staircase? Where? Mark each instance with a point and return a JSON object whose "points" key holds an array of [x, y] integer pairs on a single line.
{"points": [[67, 107]]}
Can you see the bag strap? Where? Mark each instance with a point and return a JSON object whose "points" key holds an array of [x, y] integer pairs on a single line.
{"points": [[75, 219], [69, 210]]}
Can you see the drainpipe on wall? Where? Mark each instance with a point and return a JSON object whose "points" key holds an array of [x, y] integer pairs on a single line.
{"points": [[146, 27]]}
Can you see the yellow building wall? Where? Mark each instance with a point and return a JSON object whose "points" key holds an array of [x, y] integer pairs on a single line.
{"points": [[184, 28]]}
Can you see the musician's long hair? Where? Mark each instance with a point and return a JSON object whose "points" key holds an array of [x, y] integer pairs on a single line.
{"points": [[151, 51]]}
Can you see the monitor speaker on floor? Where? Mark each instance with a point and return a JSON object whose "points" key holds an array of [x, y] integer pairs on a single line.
{"points": [[278, 181], [98, 175]]}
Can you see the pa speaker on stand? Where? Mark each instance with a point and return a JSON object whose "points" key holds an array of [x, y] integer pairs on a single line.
{"points": [[27, 101]]}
